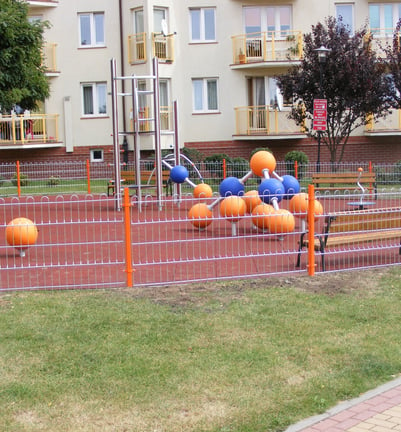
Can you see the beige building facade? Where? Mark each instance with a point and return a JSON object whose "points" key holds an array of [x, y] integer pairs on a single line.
{"points": [[216, 58]]}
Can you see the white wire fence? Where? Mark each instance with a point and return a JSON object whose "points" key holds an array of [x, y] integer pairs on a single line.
{"points": [[84, 242]]}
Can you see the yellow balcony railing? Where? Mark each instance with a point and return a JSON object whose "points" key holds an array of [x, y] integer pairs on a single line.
{"points": [[137, 48], [29, 128], [49, 58], [267, 47], [389, 124], [163, 47], [264, 120], [145, 123]]}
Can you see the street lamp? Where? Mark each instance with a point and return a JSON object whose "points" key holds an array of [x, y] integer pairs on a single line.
{"points": [[322, 57]]}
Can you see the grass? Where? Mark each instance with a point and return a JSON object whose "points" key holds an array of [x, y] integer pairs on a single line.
{"points": [[235, 357]]}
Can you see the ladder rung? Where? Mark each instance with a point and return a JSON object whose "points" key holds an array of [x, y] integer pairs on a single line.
{"points": [[144, 92], [145, 119], [124, 94]]}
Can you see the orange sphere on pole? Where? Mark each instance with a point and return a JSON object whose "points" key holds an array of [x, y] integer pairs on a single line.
{"points": [[262, 160], [299, 206], [203, 190], [281, 221], [252, 200], [200, 215], [233, 208], [21, 233], [261, 215]]}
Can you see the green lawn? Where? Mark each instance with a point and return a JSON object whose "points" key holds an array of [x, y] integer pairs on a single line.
{"points": [[240, 356]]}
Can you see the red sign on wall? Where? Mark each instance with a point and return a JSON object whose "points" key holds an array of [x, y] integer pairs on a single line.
{"points": [[320, 114]]}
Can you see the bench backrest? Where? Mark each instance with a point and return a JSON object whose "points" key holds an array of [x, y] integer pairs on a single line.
{"points": [[147, 176], [363, 220], [343, 178]]}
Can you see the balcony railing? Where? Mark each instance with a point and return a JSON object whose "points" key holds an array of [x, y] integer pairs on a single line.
{"points": [[49, 58], [145, 123], [264, 120], [137, 48], [390, 124], [162, 48], [267, 47], [28, 128], [42, 3]]}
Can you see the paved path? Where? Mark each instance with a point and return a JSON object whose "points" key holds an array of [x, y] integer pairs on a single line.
{"points": [[378, 410]]}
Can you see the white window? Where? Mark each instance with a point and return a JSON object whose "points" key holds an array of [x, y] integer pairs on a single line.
{"points": [[383, 17], [137, 21], [345, 12], [159, 15], [203, 24], [96, 155], [205, 95], [272, 19], [91, 29], [94, 99]]}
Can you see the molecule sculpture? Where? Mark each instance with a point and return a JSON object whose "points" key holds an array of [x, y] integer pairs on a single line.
{"points": [[21, 233], [262, 204]]}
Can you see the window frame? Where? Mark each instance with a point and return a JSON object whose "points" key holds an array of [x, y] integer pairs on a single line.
{"points": [[95, 159], [202, 25], [352, 6], [92, 30], [205, 96], [383, 30], [95, 86], [263, 21]]}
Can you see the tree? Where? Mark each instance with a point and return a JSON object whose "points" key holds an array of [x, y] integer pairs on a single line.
{"points": [[393, 58], [22, 78], [352, 80]]}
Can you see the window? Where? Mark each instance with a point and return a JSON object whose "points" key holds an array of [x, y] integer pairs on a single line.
{"points": [[205, 98], [94, 99], [345, 12], [137, 21], [203, 25], [383, 17], [267, 19], [96, 156], [159, 15], [91, 29]]}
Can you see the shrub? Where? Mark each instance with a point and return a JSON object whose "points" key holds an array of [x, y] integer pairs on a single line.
{"points": [[238, 167], [260, 149], [23, 179], [214, 164], [302, 160], [2, 180], [53, 181]]}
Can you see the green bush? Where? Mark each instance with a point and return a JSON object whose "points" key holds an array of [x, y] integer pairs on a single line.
{"points": [[260, 149], [238, 167], [53, 181], [23, 180], [214, 163], [302, 160], [2, 180]]}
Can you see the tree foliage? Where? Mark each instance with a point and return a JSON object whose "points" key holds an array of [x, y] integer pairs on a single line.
{"points": [[352, 80], [393, 59], [22, 78]]}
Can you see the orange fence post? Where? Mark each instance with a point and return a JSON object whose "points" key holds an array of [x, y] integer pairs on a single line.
{"points": [[311, 230], [18, 180], [88, 175], [224, 168], [296, 169], [127, 225]]}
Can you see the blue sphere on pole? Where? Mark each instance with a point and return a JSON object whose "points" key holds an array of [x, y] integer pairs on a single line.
{"points": [[178, 174], [291, 186], [231, 186], [269, 189]]}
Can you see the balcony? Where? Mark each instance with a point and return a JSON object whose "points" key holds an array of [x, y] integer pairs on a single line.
{"points": [[42, 3], [49, 59], [145, 122], [162, 48], [29, 130], [261, 122], [391, 125], [137, 48], [267, 48]]}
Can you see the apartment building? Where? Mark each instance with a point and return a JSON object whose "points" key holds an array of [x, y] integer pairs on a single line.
{"points": [[217, 59]]}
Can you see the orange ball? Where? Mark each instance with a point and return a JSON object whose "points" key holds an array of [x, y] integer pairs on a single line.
{"points": [[299, 206], [200, 215], [252, 199], [262, 160], [281, 221], [360, 169], [261, 215], [233, 208], [203, 190], [21, 233]]}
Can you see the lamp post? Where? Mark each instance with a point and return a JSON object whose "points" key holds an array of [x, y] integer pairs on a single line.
{"points": [[322, 57]]}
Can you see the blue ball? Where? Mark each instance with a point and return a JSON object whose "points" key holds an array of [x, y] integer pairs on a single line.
{"points": [[291, 186], [231, 186], [269, 189], [178, 174]]}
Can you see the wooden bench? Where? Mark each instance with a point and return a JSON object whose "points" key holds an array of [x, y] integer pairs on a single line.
{"points": [[148, 180], [332, 182], [354, 227]]}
